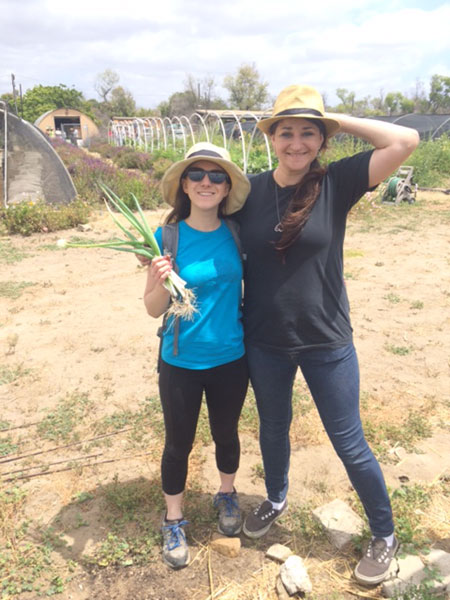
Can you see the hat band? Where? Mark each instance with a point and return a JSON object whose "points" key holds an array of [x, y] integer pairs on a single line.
{"points": [[205, 153], [299, 111]]}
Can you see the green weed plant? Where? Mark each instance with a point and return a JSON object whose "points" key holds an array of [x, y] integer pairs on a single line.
{"points": [[60, 423], [10, 254], [13, 289]]}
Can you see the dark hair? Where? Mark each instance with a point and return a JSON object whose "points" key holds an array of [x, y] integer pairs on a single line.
{"points": [[303, 198]]}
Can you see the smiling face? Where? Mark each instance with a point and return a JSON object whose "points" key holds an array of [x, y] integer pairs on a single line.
{"points": [[205, 195], [296, 143]]}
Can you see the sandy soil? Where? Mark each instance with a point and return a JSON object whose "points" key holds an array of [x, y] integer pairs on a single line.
{"points": [[79, 329]]}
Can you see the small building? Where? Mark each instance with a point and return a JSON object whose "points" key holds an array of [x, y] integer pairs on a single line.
{"points": [[69, 124]]}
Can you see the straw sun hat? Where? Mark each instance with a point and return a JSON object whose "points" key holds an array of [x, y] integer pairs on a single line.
{"points": [[240, 186], [300, 101]]}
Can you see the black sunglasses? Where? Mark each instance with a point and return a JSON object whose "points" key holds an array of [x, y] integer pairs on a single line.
{"points": [[213, 176]]}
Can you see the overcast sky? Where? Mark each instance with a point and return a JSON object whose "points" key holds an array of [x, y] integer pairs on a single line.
{"points": [[366, 46]]}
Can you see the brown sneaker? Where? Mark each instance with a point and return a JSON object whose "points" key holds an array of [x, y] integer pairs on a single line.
{"points": [[261, 519], [374, 565]]}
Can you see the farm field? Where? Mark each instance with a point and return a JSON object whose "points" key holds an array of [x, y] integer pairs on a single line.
{"points": [[82, 432]]}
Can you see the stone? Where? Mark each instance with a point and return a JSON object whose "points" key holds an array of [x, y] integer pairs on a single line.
{"points": [[412, 571], [340, 522], [227, 546], [279, 552], [440, 561], [281, 590], [294, 576], [409, 572], [84, 227]]}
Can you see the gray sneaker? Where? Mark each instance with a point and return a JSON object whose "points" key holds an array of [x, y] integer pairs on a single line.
{"points": [[373, 568], [175, 548], [230, 516], [261, 519]]}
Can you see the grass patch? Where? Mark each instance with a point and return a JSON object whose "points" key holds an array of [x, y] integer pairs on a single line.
{"points": [[26, 564], [382, 436], [392, 298], [416, 305], [60, 424], [13, 289], [7, 446], [9, 254], [146, 425], [134, 538], [398, 350], [305, 529], [351, 253], [11, 374], [408, 505]]}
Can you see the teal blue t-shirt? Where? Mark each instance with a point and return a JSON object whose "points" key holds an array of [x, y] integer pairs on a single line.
{"points": [[210, 264]]}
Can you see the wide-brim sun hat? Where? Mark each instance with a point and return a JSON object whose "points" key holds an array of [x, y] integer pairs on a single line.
{"points": [[240, 185], [299, 101]]}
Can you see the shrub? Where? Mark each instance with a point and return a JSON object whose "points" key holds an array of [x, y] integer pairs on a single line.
{"points": [[431, 162], [32, 217], [88, 171]]}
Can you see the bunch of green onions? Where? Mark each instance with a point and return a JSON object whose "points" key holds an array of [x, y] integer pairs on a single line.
{"points": [[182, 298]]}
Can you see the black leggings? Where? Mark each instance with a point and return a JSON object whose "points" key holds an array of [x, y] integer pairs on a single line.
{"points": [[181, 392]]}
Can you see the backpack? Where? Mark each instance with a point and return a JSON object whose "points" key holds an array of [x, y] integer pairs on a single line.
{"points": [[170, 236]]}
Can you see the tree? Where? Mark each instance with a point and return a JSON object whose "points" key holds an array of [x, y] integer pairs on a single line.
{"points": [[202, 92], [105, 83], [122, 103], [40, 99], [393, 102], [421, 102], [247, 92], [440, 94], [9, 100], [347, 101]]}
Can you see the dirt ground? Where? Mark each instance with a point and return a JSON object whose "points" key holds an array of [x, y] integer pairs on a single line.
{"points": [[78, 327]]}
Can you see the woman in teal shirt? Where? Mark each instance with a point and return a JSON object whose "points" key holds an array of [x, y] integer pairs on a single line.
{"points": [[208, 356]]}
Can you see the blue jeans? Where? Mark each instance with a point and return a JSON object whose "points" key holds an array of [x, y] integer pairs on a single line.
{"points": [[333, 380]]}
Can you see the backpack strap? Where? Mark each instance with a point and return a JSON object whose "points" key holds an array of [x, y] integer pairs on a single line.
{"points": [[170, 235], [233, 226]]}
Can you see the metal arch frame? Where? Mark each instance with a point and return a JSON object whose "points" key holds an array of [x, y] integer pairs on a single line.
{"points": [[241, 131], [189, 124], [441, 125], [145, 128], [120, 133], [213, 113], [177, 119], [266, 141], [205, 129], [140, 123], [172, 131], [154, 125], [163, 129], [404, 116], [5, 155]]}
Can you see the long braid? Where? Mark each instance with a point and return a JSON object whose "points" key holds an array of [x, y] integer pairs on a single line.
{"points": [[300, 207]]}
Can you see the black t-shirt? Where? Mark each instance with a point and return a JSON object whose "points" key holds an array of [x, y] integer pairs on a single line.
{"points": [[300, 304]]}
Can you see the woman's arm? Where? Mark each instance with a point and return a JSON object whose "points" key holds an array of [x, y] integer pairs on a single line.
{"points": [[156, 297], [393, 143]]}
